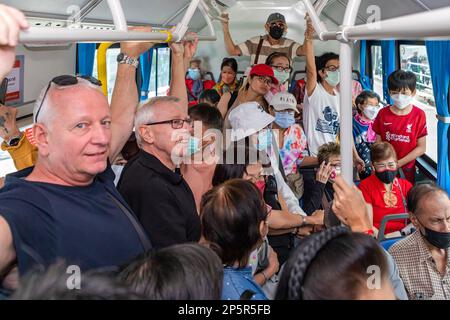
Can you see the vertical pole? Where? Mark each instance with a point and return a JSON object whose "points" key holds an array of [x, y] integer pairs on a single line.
{"points": [[120, 23]]}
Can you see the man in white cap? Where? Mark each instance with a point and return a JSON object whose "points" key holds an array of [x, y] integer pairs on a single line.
{"points": [[260, 47]]}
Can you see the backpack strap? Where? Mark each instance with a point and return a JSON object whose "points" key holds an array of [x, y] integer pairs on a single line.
{"points": [[258, 50]]}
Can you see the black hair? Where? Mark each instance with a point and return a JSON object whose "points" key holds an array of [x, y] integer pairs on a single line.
{"points": [[419, 192], [331, 265], [210, 96], [364, 96], [235, 161], [322, 61], [274, 55], [210, 117], [401, 79], [167, 274], [52, 284], [229, 62], [231, 214]]}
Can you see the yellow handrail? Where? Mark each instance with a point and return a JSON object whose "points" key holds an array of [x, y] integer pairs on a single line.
{"points": [[101, 65]]}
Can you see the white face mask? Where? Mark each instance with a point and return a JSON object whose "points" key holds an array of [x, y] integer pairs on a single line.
{"points": [[402, 101], [371, 112]]}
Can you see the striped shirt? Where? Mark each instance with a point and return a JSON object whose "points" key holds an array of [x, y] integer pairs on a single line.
{"points": [[249, 47], [418, 270]]}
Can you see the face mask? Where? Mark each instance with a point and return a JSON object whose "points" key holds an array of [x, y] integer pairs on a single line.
{"points": [[402, 101], [261, 185], [284, 119], [193, 146], [264, 140], [333, 78], [336, 171], [440, 240], [276, 32], [282, 76], [371, 112], [386, 176], [194, 74]]}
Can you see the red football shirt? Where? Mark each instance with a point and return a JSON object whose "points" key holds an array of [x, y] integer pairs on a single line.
{"points": [[374, 192], [402, 132]]}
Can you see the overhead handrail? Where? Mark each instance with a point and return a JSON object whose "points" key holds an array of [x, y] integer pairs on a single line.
{"points": [[52, 35]]}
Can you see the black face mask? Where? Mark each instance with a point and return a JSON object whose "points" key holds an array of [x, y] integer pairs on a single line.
{"points": [[276, 32], [440, 240], [386, 176]]}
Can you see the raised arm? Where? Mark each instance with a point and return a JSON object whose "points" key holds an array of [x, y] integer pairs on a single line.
{"points": [[309, 34], [311, 75], [125, 97], [232, 49]]}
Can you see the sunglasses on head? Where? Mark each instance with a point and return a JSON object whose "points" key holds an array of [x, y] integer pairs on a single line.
{"points": [[65, 80]]}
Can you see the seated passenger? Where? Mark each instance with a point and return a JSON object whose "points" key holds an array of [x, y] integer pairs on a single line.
{"points": [[319, 188], [157, 193], [403, 124], [363, 135], [234, 223], [281, 65], [204, 150], [168, 274], [195, 84], [210, 97], [384, 192], [228, 81], [68, 200], [333, 265], [423, 257], [293, 147]]}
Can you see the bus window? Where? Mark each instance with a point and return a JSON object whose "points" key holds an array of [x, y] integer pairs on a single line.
{"points": [[160, 73], [414, 58], [111, 68], [377, 69]]}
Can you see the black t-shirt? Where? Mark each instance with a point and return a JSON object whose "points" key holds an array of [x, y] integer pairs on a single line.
{"points": [[162, 201], [81, 225]]}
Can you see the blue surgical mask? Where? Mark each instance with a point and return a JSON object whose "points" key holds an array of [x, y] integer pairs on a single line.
{"points": [[282, 76], [333, 78], [401, 101], [284, 119], [194, 74], [264, 140], [193, 145]]}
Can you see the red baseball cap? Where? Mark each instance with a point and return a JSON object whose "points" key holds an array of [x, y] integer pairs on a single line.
{"points": [[265, 71]]}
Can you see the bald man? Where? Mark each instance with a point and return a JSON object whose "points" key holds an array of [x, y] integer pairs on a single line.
{"points": [[66, 206], [150, 183]]}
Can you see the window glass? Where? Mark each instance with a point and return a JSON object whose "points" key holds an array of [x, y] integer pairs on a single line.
{"points": [[377, 70], [414, 58]]}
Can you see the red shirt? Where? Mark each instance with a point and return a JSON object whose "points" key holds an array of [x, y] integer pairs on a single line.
{"points": [[402, 132], [373, 191]]}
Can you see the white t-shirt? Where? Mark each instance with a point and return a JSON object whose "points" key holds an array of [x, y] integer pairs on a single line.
{"points": [[321, 114]]}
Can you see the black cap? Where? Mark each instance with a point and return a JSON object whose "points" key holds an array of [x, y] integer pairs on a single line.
{"points": [[274, 17]]}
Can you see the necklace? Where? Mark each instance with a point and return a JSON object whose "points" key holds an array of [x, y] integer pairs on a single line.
{"points": [[390, 198]]}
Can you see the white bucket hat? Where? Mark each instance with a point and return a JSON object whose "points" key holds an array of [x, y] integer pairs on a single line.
{"points": [[247, 119], [284, 101]]}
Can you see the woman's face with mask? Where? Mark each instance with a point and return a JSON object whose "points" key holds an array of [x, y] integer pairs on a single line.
{"points": [[281, 68]]}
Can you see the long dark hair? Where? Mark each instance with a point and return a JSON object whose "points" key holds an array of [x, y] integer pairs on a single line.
{"points": [[331, 265]]}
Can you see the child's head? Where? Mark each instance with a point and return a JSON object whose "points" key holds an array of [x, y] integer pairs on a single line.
{"points": [[367, 104], [402, 88]]}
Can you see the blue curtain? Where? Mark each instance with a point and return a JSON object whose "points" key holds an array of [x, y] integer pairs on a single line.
{"points": [[146, 68], [85, 59], [365, 79], [439, 59], [389, 65]]}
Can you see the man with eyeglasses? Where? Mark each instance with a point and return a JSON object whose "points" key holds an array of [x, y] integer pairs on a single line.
{"points": [[260, 47], [66, 206]]}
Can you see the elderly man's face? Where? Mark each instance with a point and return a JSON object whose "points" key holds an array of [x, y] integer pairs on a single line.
{"points": [[79, 134], [433, 213], [166, 138]]}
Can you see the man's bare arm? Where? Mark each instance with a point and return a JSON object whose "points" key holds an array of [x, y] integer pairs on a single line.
{"points": [[7, 252]]}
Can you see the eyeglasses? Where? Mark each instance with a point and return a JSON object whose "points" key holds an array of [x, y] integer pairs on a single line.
{"points": [[331, 68], [265, 80], [382, 166], [63, 81], [175, 123], [281, 68]]}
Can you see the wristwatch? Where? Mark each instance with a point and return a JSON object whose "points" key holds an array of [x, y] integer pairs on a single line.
{"points": [[14, 141], [122, 58]]}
